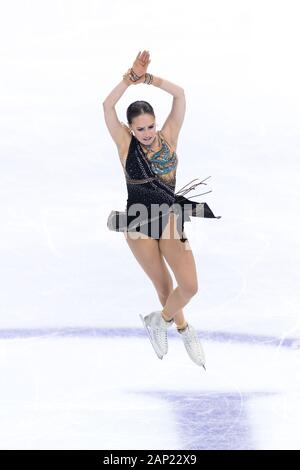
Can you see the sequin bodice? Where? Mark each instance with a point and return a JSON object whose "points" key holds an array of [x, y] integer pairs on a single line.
{"points": [[163, 162], [144, 184]]}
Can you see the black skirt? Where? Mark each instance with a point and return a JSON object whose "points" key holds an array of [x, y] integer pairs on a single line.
{"points": [[153, 225]]}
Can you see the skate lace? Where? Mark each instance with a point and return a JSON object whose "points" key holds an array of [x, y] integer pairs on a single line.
{"points": [[161, 333], [192, 341]]}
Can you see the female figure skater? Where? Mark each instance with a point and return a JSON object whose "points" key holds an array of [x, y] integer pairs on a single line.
{"points": [[149, 161]]}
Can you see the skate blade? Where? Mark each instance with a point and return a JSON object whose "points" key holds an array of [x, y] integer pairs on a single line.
{"points": [[158, 353]]}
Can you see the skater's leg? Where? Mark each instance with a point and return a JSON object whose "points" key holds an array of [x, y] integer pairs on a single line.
{"points": [[179, 257], [147, 253], [176, 300], [179, 318]]}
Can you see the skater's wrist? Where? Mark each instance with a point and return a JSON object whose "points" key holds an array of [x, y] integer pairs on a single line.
{"points": [[151, 79], [131, 78]]}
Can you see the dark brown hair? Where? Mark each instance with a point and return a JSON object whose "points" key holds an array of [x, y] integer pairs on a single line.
{"points": [[137, 108]]}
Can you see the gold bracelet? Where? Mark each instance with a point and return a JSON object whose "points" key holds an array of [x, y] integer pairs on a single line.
{"points": [[148, 78], [133, 76]]}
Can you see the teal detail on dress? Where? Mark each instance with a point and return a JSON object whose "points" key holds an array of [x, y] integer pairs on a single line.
{"points": [[163, 162]]}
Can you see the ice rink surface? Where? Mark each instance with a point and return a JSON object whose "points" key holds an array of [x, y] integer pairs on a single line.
{"points": [[77, 370]]}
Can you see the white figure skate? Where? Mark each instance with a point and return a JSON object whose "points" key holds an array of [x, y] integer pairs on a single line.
{"points": [[192, 345], [156, 327]]}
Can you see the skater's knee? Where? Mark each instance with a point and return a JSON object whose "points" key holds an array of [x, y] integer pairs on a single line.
{"points": [[189, 288]]}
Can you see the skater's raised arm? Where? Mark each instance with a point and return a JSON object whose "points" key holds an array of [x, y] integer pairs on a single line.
{"points": [[175, 90], [134, 75], [175, 119], [116, 93]]}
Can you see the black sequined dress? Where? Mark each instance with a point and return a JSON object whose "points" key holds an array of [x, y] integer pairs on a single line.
{"points": [[151, 198]]}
